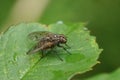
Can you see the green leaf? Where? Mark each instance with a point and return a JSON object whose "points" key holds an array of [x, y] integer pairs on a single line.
{"points": [[111, 76], [16, 65]]}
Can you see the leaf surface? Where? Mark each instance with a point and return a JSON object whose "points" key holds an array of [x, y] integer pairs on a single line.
{"points": [[16, 65]]}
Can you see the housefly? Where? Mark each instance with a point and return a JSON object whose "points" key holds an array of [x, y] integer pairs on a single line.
{"points": [[47, 40]]}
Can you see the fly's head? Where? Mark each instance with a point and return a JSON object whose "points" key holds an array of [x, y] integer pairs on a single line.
{"points": [[62, 39]]}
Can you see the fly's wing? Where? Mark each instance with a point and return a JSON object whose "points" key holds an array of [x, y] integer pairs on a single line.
{"points": [[36, 36], [33, 50]]}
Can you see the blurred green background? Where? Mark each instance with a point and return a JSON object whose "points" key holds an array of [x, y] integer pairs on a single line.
{"points": [[102, 16]]}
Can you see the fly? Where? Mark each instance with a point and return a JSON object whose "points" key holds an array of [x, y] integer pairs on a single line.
{"points": [[47, 40]]}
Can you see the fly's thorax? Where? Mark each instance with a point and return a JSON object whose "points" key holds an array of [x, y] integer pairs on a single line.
{"points": [[60, 38], [56, 38]]}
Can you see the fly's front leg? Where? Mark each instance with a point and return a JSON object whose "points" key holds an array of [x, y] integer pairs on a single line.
{"points": [[67, 46], [64, 48]]}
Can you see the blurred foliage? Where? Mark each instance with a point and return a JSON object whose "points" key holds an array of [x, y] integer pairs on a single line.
{"points": [[105, 76], [5, 8]]}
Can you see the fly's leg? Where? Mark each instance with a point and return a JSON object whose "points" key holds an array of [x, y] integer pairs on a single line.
{"points": [[42, 56], [64, 48], [55, 52], [67, 46]]}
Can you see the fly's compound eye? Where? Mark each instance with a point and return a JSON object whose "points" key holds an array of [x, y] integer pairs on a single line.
{"points": [[62, 37]]}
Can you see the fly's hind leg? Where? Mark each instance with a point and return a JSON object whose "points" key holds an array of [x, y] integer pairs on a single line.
{"points": [[55, 52], [42, 56]]}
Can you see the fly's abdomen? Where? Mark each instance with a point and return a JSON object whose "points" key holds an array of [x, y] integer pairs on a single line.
{"points": [[47, 45]]}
